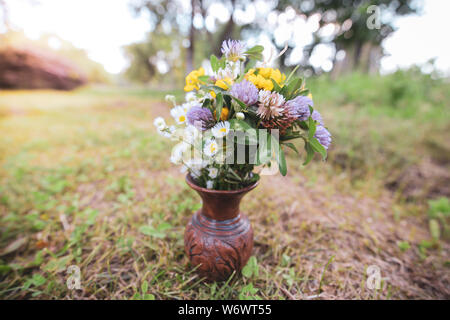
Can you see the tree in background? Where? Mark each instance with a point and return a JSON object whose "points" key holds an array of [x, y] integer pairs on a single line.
{"points": [[174, 17], [350, 36], [340, 27]]}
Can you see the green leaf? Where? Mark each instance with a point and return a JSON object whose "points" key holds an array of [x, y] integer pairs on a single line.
{"points": [[250, 64], [239, 102], [309, 153], [214, 63], [203, 78], [282, 164], [315, 144], [435, 229], [255, 53], [403, 245], [276, 86], [219, 105], [158, 232], [57, 265], [144, 287], [279, 153], [251, 268], [238, 124], [311, 128], [255, 49], [292, 146], [292, 73]]}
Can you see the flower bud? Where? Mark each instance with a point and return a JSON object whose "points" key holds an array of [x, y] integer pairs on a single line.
{"points": [[240, 116]]}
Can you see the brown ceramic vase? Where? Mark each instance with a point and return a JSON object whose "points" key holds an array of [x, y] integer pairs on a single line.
{"points": [[219, 238]]}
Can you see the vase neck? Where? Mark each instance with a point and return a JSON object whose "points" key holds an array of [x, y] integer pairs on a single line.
{"points": [[220, 206]]}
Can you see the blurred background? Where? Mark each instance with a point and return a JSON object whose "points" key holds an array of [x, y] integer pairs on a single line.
{"points": [[80, 84]]}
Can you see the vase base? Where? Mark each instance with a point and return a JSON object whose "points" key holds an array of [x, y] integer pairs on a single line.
{"points": [[218, 247]]}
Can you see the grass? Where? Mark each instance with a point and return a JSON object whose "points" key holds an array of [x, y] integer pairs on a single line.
{"points": [[85, 181]]}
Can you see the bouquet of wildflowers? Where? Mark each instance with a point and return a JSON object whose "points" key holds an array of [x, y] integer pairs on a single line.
{"points": [[238, 118]]}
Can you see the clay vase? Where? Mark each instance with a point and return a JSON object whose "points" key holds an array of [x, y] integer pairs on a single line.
{"points": [[219, 238]]}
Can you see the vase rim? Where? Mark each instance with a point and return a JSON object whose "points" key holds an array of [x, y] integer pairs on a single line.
{"points": [[194, 186]]}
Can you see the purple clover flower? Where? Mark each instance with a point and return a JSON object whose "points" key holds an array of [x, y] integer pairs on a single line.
{"points": [[323, 136], [233, 49], [299, 107], [200, 117], [245, 91], [317, 117]]}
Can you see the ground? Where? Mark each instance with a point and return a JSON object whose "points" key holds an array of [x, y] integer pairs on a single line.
{"points": [[85, 181]]}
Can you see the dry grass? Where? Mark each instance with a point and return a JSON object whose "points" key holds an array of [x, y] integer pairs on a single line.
{"points": [[84, 180]]}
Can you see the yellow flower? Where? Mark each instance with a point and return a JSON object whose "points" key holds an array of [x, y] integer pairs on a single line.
{"points": [[222, 83], [262, 79], [223, 114], [192, 81]]}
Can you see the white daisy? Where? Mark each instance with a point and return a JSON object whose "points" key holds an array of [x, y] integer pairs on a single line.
{"points": [[170, 98], [194, 166], [166, 132], [188, 105], [211, 148], [221, 129], [209, 184], [178, 114], [190, 96], [190, 134], [177, 152], [159, 123], [213, 172]]}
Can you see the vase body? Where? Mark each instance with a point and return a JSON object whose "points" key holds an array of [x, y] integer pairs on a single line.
{"points": [[219, 238]]}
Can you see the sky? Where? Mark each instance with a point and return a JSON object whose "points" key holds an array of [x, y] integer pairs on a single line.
{"points": [[103, 27]]}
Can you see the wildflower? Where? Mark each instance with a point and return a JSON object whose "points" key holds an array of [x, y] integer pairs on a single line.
{"points": [[224, 114], [192, 80], [188, 105], [190, 134], [282, 122], [194, 166], [179, 114], [245, 91], [201, 118], [323, 136], [224, 83], [190, 96], [317, 117], [166, 132], [233, 50], [270, 104], [211, 148], [221, 129], [209, 184], [159, 123], [177, 152], [213, 172], [299, 107], [261, 77], [170, 98], [240, 116]]}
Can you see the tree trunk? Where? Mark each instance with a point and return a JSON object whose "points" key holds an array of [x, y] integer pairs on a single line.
{"points": [[191, 48], [227, 32], [364, 57]]}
